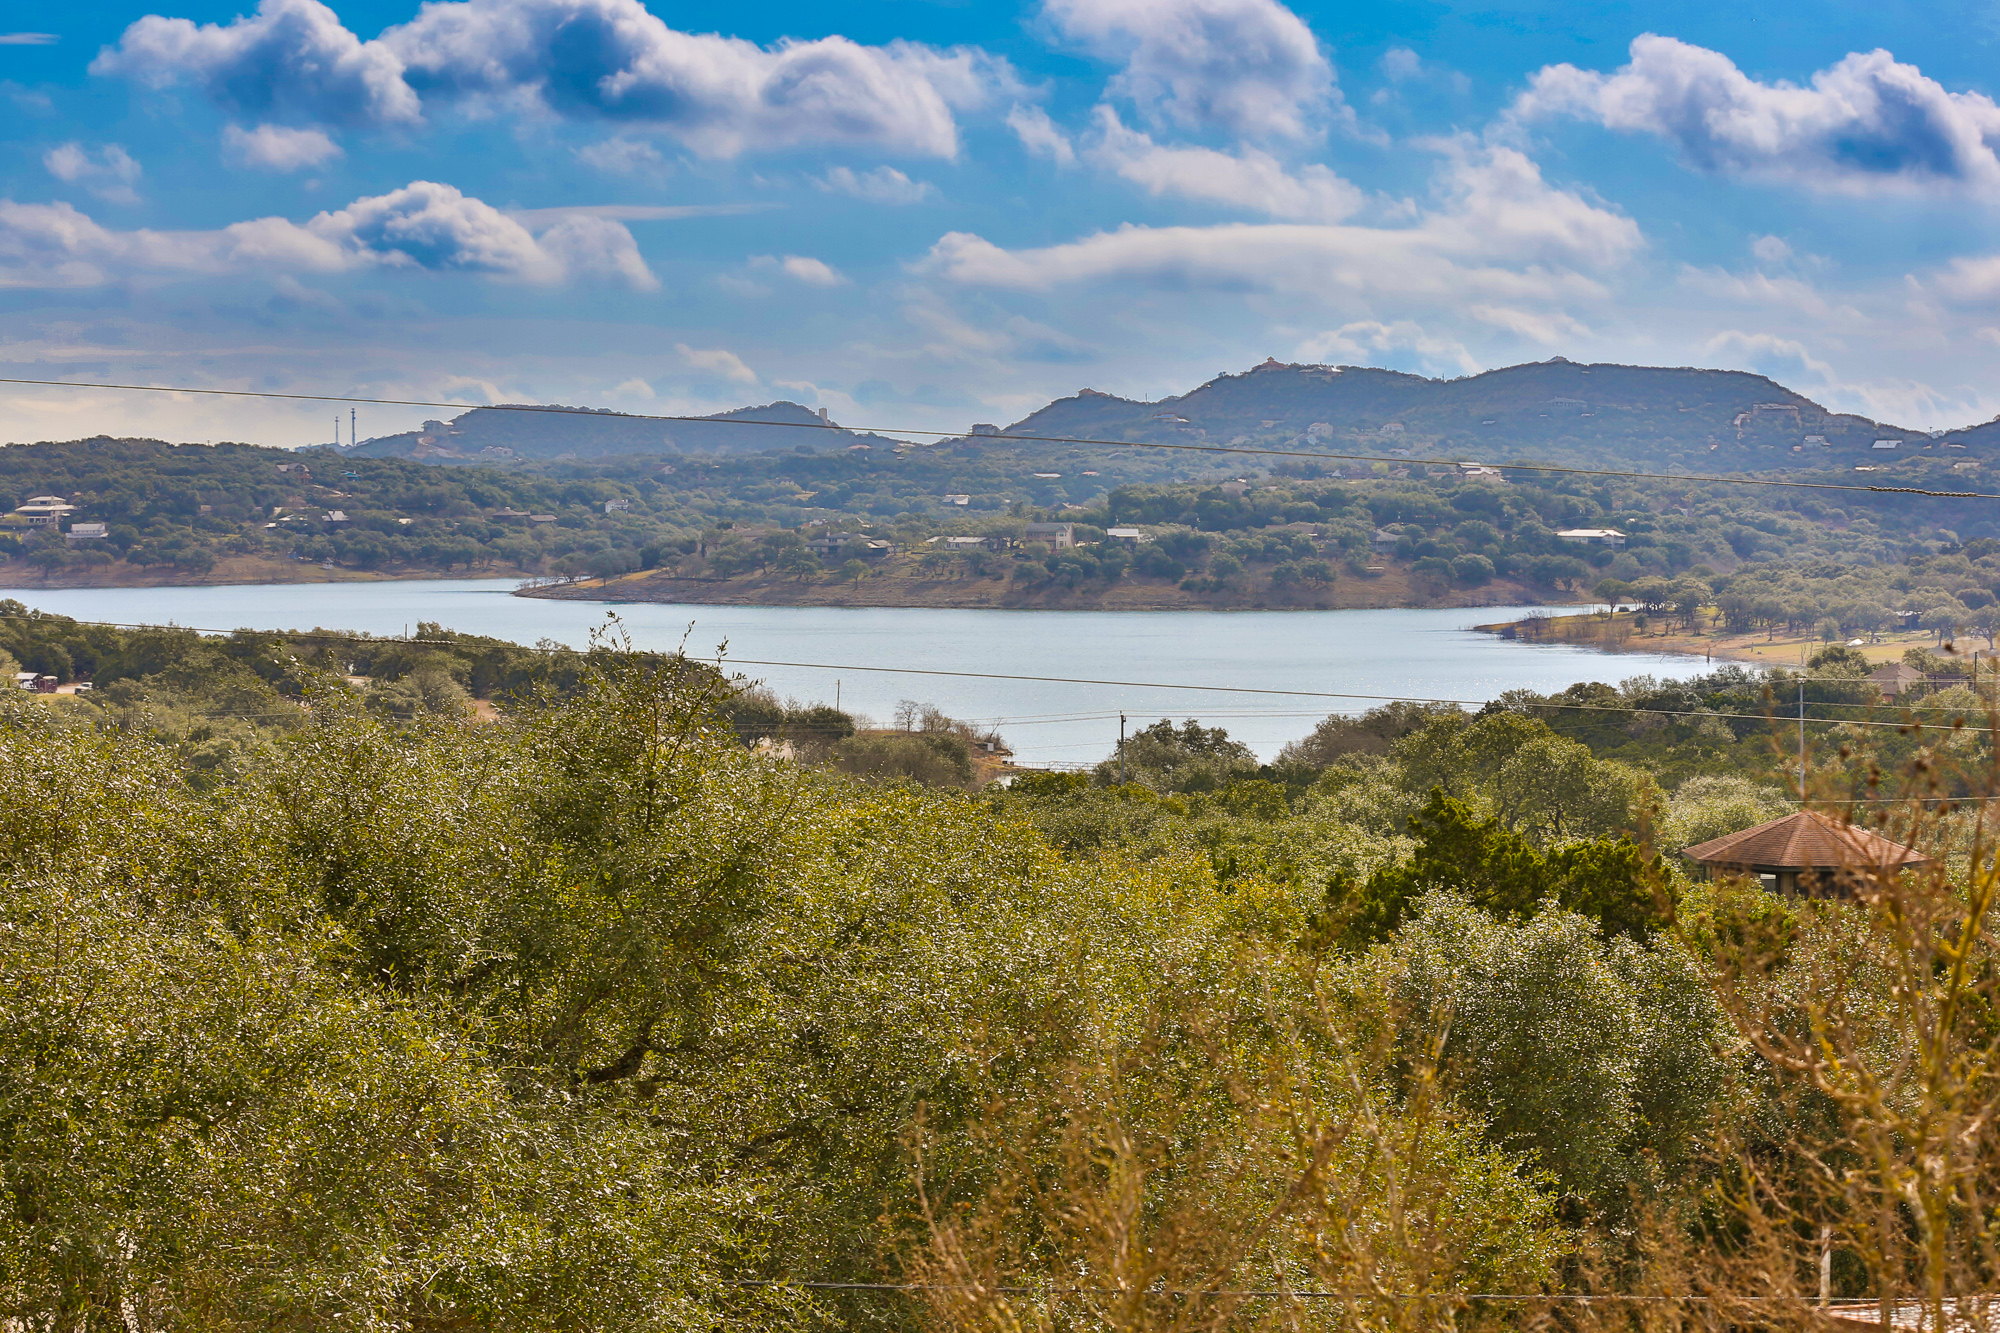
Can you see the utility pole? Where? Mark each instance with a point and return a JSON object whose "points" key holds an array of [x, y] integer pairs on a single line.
{"points": [[350, 428], [1802, 738], [1121, 749]]}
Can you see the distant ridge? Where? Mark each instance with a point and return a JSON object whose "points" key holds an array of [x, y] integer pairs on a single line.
{"points": [[1558, 411], [1554, 410], [495, 435]]}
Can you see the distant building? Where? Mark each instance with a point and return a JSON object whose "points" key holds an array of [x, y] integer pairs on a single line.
{"points": [[1895, 679], [336, 516], [1886, 444], [616, 506], [1593, 536], [984, 428], [541, 518], [964, 543], [83, 532], [1320, 430], [958, 499], [38, 511], [1057, 536], [1384, 540], [1124, 536]]}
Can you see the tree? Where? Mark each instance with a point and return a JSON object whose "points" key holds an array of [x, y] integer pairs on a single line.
{"points": [[853, 571]]}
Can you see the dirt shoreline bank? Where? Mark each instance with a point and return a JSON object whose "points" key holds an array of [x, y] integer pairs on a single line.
{"points": [[1619, 633]]}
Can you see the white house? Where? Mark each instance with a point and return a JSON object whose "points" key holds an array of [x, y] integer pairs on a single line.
{"points": [[616, 506], [1593, 536], [81, 532], [38, 511], [958, 499], [1124, 536], [1886, 444]]}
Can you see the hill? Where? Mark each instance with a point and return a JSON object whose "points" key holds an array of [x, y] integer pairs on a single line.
{"points": [[501, 435], [1548, 411]]}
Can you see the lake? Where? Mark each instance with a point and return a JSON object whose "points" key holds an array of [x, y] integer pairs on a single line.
{"points": [[1427, 654]]}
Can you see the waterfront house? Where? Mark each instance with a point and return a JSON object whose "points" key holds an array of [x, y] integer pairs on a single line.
{"points": [[1058, 536]]}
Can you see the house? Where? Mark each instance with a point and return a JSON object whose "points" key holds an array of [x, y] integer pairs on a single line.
{"points": [[336, 516], [1896, 678], [964, 543], [1886, 444], [24, 680], [616, 506], [1385, 540], [541, 518], [1807, 852], [39, 511], [1058, 536], [83, 532], [1593, 536], [1124, 536], [958, 499]]}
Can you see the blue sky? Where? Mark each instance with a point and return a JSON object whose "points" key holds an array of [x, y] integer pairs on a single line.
{"points": [[929, 214]]}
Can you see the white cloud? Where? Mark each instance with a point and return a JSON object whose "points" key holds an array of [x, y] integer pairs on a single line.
{"points": [[424, 225], [586, 59], [1372, 341], [801, 268], [278, 147], [884, 185], [622, 156], [292, 58], [1250, 68], [1498, 235], [28, 39], [1862, 126], [1248, 179], [1783, 359], [1400, 63], [634, 388], [1039, 135], [717, 361], [1771, 251], [109, 175]]}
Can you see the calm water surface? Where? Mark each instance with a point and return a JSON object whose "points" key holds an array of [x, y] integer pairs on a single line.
{"points": [[1427, 654]]}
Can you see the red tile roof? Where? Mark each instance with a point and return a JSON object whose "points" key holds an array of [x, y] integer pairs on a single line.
{"points": [[1804, 841]]}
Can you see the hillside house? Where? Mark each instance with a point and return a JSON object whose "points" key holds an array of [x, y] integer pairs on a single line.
{"points": [[1895, 679], [1807, 853], [1611, 537], [1384, 540], [617, 506], [83, 532], [1056, 536], [1124, 536], [39, 511]]}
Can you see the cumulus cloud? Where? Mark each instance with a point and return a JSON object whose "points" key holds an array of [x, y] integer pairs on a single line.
{"points": [[1863, 125], [278, 147], [1039, 135], [717, 361], [292, 58], [801, 268], [1498, 234], [109, 174], [589, 59], [424, 225], [1247, 179], [1249, 68], [884, 185]]}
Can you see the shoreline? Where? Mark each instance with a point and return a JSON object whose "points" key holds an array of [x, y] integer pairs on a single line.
{"points": [[1617, 634], [892, 589]]}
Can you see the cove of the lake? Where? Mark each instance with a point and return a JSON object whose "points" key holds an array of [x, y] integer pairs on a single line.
{"points": [[1425, 654]]}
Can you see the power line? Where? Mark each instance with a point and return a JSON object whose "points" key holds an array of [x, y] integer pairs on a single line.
{"points": [[1031, 439]]}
